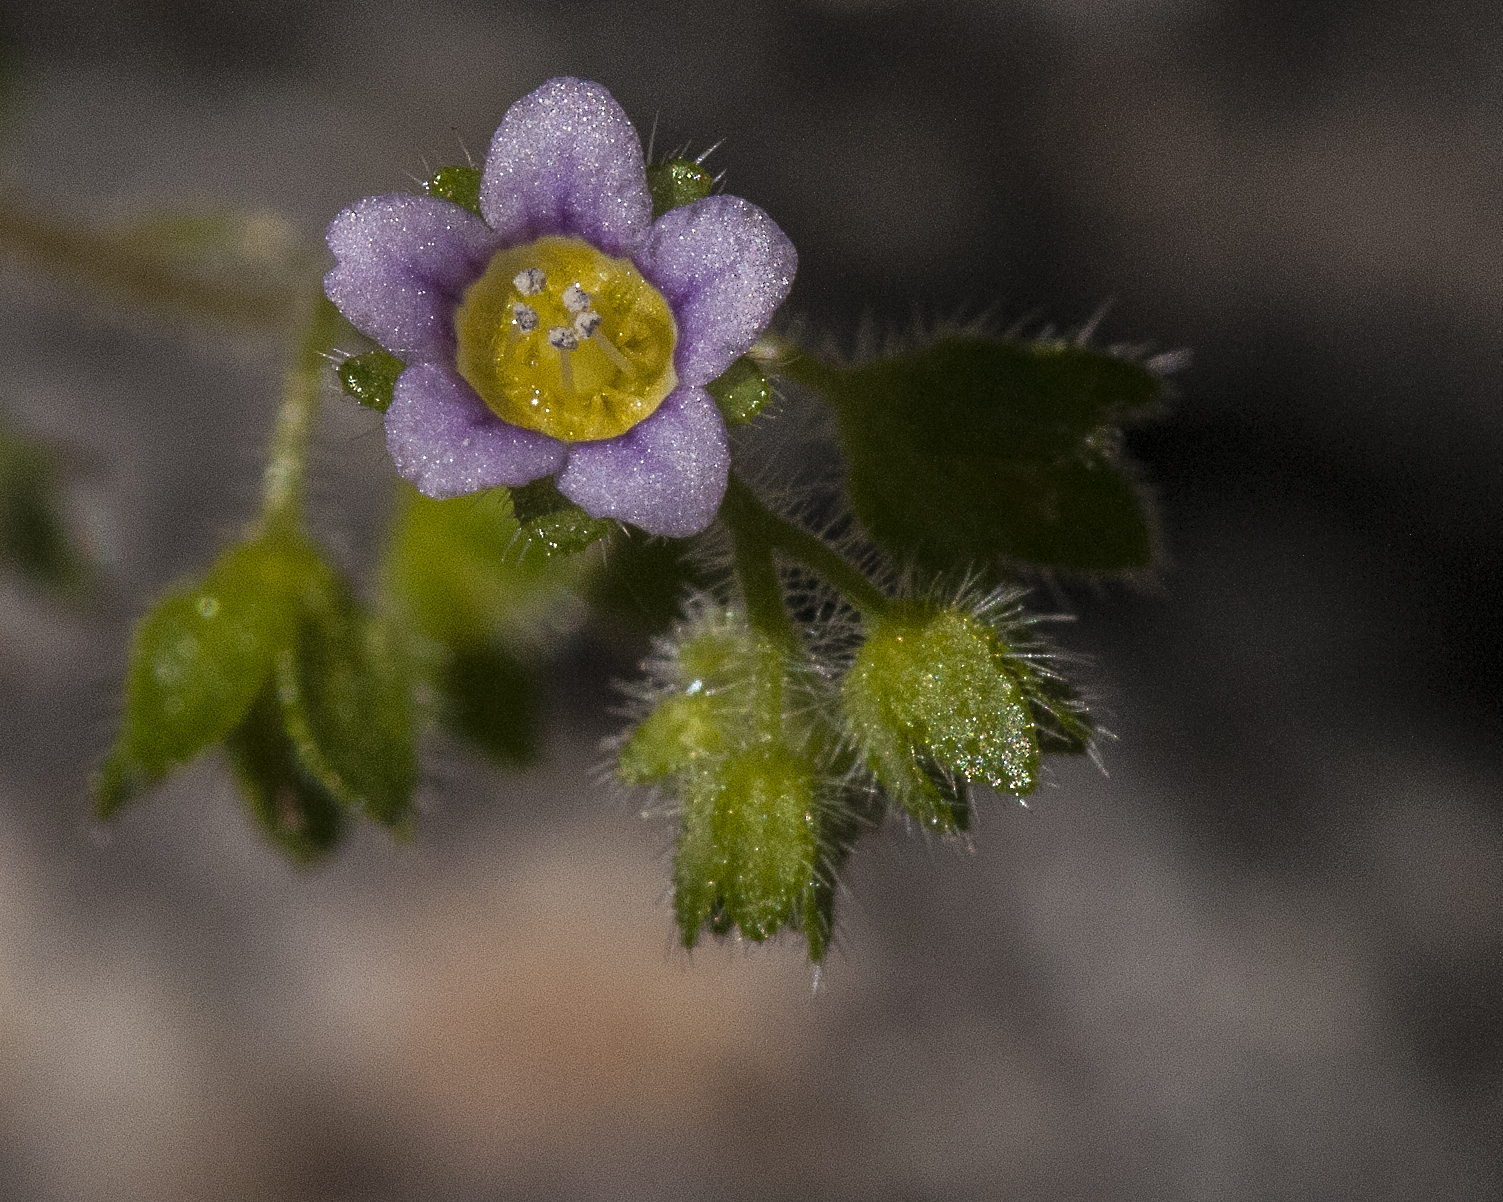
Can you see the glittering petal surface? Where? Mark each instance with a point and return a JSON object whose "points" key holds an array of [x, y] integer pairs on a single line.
{"points": [[724, 266], [567, 161], [447, 443], [402, 265], [666, 475]]}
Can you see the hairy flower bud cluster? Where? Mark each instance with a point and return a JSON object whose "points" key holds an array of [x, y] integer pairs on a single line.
{"points": [[732, 734]]}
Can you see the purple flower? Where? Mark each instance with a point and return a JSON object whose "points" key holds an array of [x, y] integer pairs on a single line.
{"points": [[567, 333]]}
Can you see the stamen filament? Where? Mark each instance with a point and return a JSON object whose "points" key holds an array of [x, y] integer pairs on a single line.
{"points": [[565, 370], [611, 353]]}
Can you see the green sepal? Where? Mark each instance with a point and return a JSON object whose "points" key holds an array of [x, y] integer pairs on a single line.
{"points": [[765, 823], [742, 391], [677, 182], [200, 657], [291, 807], [699, 869], [550, 524], [971, 451], [683, 736], [1060, 718], [345, 691], [458, 185], [932, 701], [491, 700], [371, 378], [33, 536], [748, 850]]}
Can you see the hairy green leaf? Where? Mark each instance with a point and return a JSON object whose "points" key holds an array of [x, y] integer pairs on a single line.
{"points": [[972, 451]]}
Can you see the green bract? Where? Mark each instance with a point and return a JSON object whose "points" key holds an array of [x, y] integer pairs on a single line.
{"points": [[970, 452], [933, 701]]}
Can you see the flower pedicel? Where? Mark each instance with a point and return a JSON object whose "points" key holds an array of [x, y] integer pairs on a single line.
{"points": [[563, 332]]}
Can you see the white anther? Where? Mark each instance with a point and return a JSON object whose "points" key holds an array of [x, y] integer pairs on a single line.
{"points": [[530, 282], [586, 323], [575, 299], [562, 338], [527, 317]]}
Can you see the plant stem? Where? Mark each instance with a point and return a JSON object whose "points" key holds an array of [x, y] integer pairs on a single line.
{"points": [[282, 485], [112, 265], [757, 531]]}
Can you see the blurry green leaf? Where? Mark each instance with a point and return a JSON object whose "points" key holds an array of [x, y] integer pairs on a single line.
{"points": [[32, 534], [202, 654], [458, 185], [346, 695], [644, 580], [492, 700], [371, 378], [741, 391], [288, 804], [677, 182], [448, 564], [970, 451]]}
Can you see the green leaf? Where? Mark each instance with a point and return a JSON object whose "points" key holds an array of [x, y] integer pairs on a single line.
{"points": [[345, 691], [371, 378], [491, 700], [458, 185], [677, 182], [32, 534], [453, 566], [741, 391], [971, 451], [293, 808], [645, 579], [201, 656]]}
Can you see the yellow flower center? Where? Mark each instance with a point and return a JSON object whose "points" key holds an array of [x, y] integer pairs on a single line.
{"points": [[562, 339]]}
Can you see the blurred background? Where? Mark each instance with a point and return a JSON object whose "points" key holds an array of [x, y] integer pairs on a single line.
{"points": [[1262, 958]]}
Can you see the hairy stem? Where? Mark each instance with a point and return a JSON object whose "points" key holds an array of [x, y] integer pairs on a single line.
{"points": [[282, 485], [761, 531], [110, 264]]}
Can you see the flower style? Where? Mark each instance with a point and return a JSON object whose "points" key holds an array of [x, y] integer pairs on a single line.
{"points": [[563, 332]]}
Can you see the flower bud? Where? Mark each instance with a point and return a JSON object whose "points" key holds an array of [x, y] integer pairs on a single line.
{"points": [[932, 703], [731, 736]]}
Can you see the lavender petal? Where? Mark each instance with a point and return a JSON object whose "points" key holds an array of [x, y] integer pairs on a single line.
{"points": [[567, 161], [403, 264], [667, 474], [724, 267], [447, 443]]}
